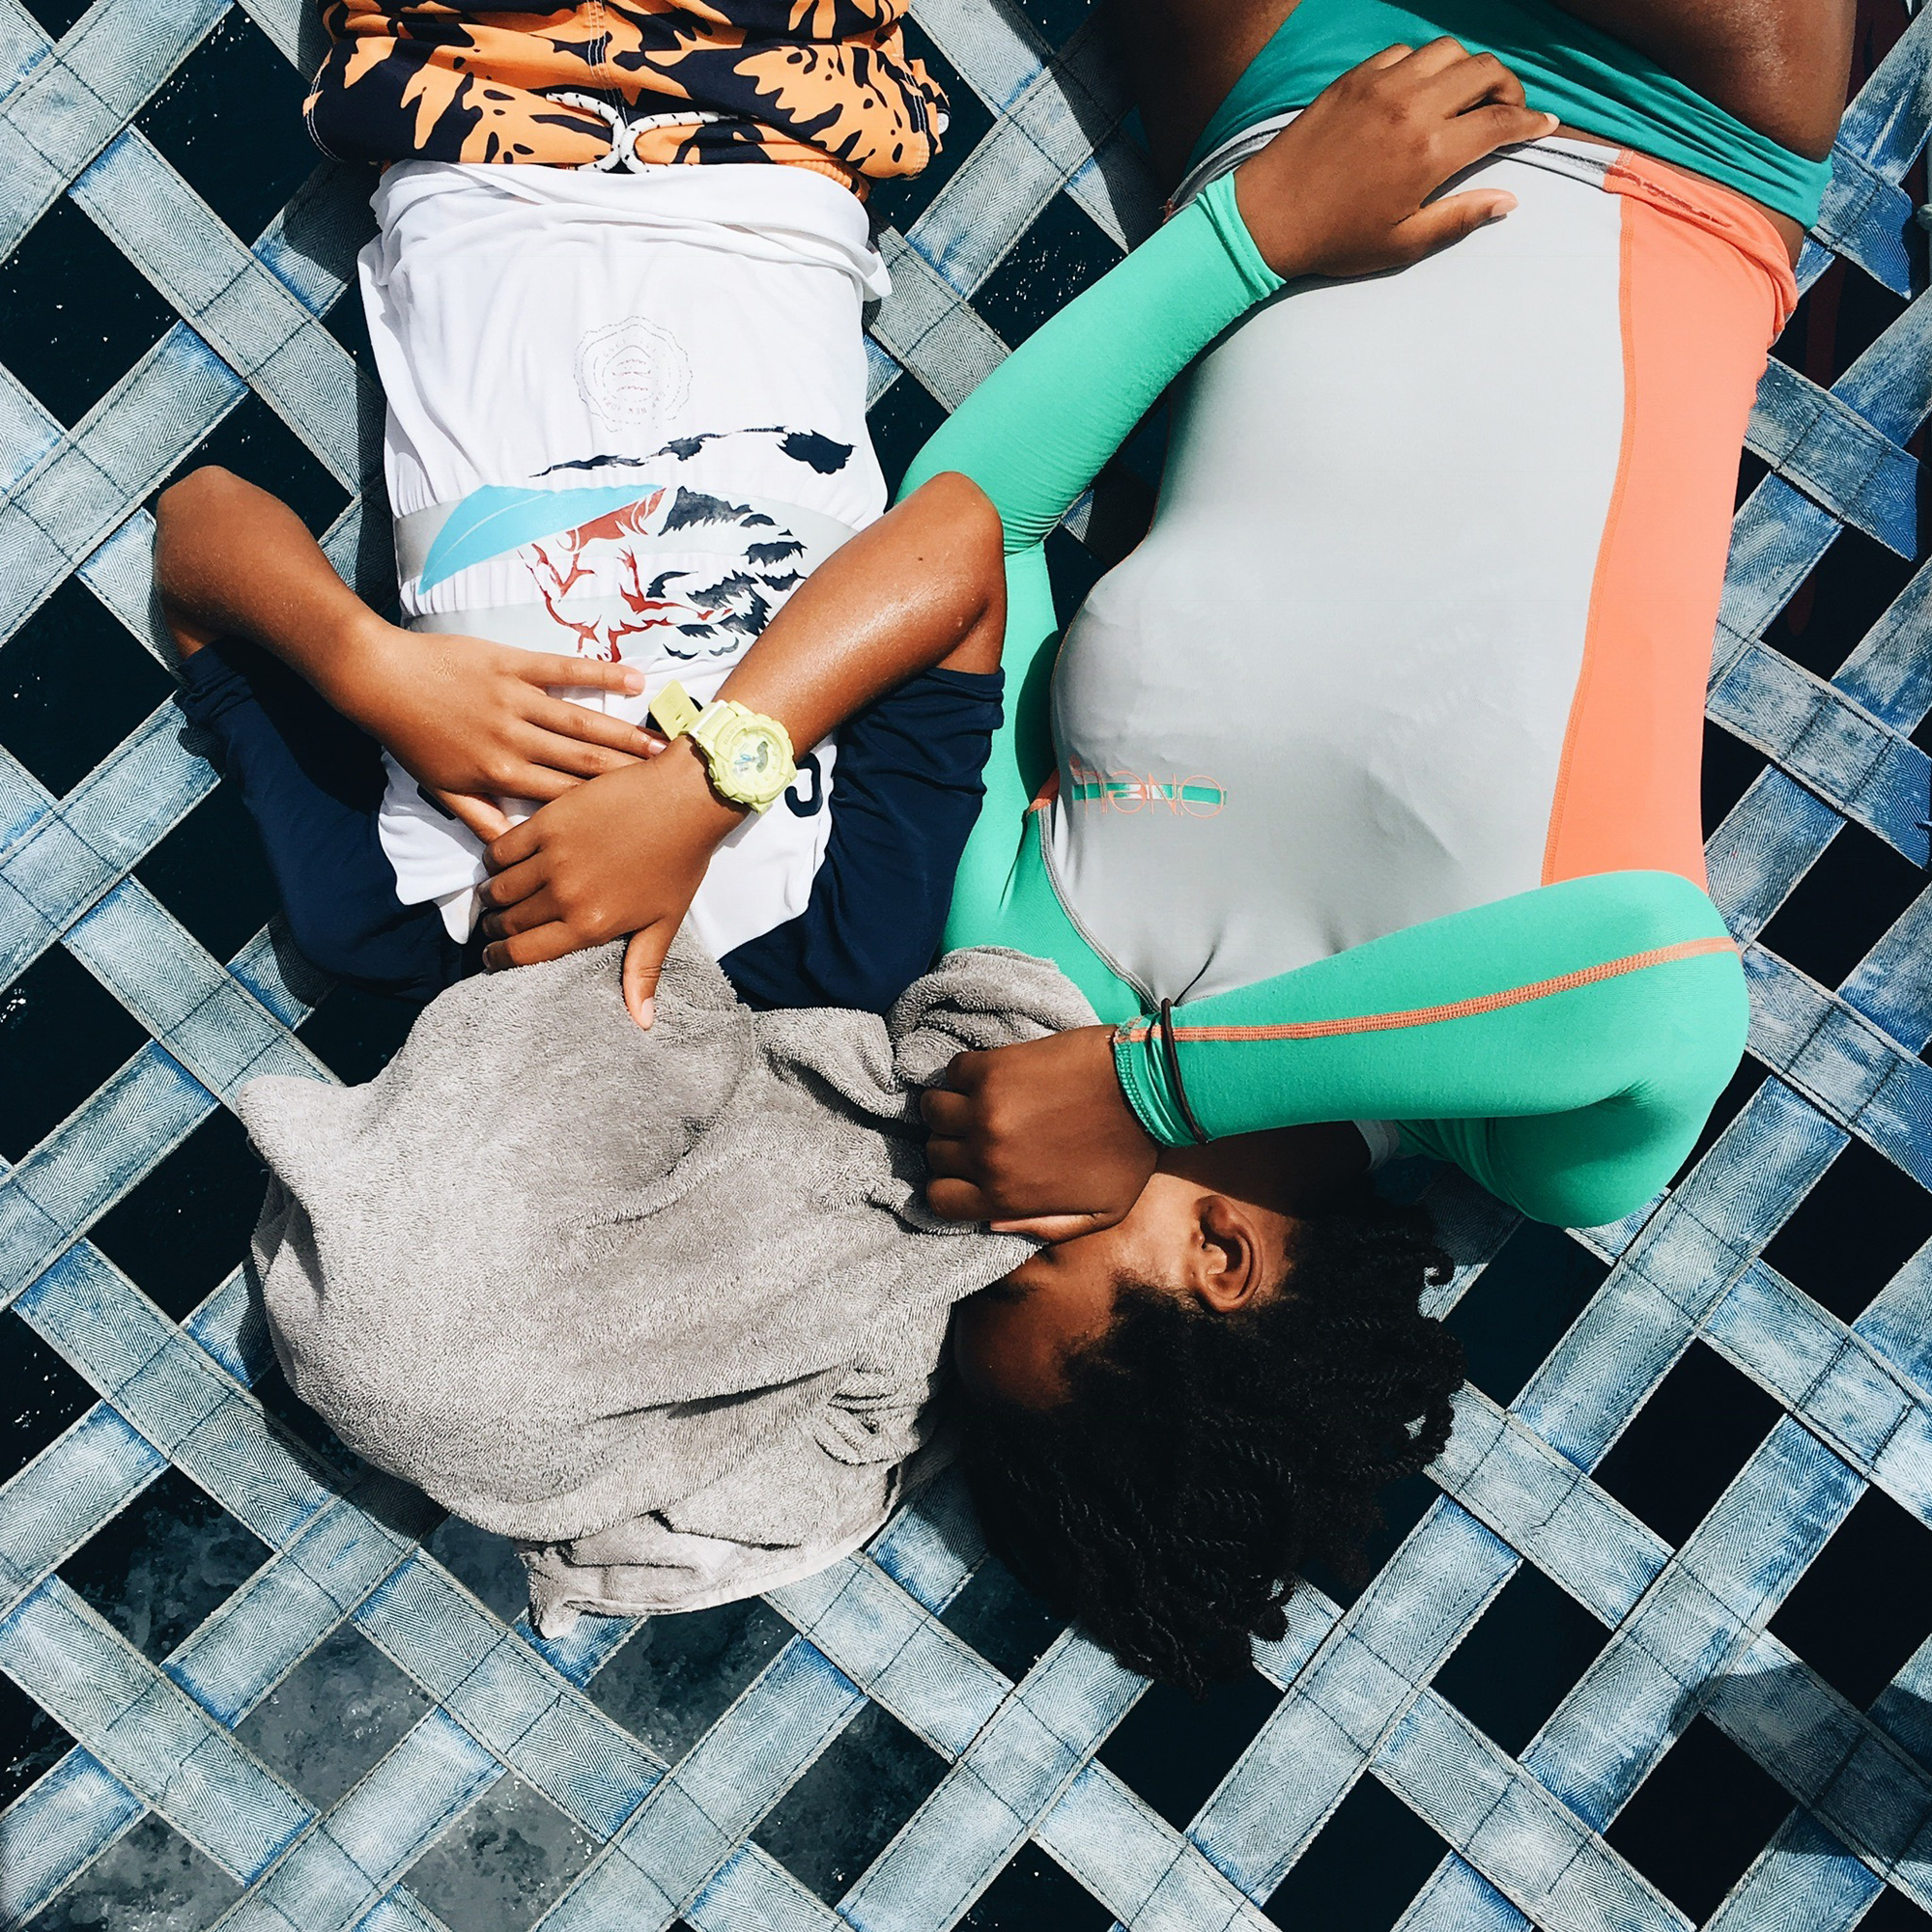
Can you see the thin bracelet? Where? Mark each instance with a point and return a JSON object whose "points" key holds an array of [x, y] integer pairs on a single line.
{"points": [[1170, 1055]]}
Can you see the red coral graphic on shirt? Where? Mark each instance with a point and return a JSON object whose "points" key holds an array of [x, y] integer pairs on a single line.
{"points": [[687, 612]]}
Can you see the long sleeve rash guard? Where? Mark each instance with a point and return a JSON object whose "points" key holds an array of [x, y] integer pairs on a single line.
{"points": [[1563, 1045]]}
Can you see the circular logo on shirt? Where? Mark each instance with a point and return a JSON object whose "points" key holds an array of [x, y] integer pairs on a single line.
{"points": [[632, 372]]}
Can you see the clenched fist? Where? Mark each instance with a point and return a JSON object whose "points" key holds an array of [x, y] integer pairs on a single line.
{"points": [[1038, 1139]]}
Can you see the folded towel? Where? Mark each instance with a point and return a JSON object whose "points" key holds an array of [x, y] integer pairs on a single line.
{"points": [[667, 1307]]}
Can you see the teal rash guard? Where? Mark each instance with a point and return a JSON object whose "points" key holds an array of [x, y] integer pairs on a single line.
{"points": [[1566, 68], [1563, 1045]]}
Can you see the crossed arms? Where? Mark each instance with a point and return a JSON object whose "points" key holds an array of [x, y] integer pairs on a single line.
{"points": [[625, 835]]}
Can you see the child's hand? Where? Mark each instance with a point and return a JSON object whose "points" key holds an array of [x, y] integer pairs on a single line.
{"points": [[624, 853], [469, 720], [1036, 1139], [1340, 190], [462, 716]]}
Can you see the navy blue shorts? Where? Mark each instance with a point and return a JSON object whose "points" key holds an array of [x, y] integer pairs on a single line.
{"points": [[910, 780]]}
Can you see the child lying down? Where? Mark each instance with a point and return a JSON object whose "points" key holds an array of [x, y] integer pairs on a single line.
{"points": [[666, 1307]]}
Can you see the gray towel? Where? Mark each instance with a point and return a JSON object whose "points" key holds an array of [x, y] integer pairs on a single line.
{"points": [[666, 1307]]}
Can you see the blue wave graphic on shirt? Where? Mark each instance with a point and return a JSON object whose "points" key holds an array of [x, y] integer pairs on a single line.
{"points": [[504, 517]]}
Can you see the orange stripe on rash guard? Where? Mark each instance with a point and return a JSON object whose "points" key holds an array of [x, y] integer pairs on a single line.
{"points": [[1706, 285], [1455, 1009]]}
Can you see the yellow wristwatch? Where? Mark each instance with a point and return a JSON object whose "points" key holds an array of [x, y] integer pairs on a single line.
{"points": [[747, 754]]}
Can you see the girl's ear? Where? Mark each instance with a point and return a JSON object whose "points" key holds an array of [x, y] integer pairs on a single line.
{"points": [[1230, 1265]]}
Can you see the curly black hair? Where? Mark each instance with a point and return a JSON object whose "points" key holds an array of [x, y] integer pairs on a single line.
{"points": [[1199, 1458]]}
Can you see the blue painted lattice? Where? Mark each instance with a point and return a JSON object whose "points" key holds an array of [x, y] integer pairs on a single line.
{"points": [[701, 1814]]}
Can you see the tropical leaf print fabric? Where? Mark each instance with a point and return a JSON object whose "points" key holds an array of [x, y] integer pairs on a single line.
{"points": [[823, 84]]}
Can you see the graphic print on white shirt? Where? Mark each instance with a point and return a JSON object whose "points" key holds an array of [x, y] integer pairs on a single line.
{"points": [[632, 372], [630, 410], [692, 575]]}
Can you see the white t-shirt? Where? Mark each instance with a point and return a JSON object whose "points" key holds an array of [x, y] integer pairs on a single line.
{"points": [[678, 354]]}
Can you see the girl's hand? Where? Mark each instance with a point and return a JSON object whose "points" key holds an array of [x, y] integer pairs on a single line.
{"points": [[624, 853], [473, 721], [1341, 189], [1036, 1139]]}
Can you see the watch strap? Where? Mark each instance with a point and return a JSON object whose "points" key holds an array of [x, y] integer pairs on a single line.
{"points": [[673, 710], [712, 721]]}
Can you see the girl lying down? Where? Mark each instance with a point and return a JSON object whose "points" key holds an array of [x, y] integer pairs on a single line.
{"points": [[668, 1308], [685, 1265]]}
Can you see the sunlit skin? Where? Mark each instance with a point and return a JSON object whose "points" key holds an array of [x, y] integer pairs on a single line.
{"points": [[1039, 1137], [922, 587], [1213, 1225], [1780, 66], [626, 827]]}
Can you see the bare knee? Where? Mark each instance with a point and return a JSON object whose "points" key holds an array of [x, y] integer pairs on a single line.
{"points": [[186, 515]]}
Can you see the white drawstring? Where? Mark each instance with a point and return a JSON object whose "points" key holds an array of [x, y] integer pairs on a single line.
{"points": [[623, 154]]}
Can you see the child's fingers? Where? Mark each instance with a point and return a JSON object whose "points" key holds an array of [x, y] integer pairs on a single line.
{"points": [[538, 776], [530, 949], [579, 674], [594, 727], [539, 909], [482, 815], [643, 963], [512, 884], [566, 761], [520, 842]]}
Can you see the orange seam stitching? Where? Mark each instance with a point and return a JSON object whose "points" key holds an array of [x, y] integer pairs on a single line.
{"points": [[1486, 1002]]}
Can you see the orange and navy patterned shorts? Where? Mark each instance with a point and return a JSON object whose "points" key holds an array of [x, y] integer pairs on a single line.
{"points": [[822, 84]]}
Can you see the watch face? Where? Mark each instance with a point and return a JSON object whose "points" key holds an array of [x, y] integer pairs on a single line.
{"points": [[752, 765], [751, 754]]}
